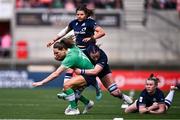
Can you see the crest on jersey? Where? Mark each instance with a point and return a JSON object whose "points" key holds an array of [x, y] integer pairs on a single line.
{"points": [[83, 24], [83, 29]]}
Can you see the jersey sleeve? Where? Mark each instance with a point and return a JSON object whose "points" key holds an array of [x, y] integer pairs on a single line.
{"points": [[71, 24], [92, 23], [142, 99], [102, 62], [68, 62], [103, 59]]}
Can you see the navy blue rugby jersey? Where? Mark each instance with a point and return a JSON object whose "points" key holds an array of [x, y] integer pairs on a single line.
{"points": [[103, 59], [147, 99], [103, 62], [82, 30]]}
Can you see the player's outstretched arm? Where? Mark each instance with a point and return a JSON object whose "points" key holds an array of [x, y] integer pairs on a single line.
{"points": [[53, 41], [59, 36], [52, 76], [36, 84], [94, 71]]}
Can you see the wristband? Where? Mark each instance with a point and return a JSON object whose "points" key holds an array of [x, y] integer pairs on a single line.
{"points": [[82, 71]]}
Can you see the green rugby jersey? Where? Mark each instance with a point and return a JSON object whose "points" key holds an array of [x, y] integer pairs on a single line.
{"points": [[75, 58]]}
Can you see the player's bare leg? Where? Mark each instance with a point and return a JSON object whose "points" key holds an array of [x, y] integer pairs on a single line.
{"points": [[131, 108], [110, 84]]}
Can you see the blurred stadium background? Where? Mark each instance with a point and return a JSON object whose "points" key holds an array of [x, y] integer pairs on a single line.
{"points": [[142, 37]]}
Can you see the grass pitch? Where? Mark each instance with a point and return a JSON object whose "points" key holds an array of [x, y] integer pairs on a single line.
{"points": [[44, 104]]}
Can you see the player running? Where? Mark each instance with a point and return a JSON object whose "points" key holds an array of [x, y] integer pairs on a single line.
{"points": [[71, 57], [86, 31], [152, 99]]}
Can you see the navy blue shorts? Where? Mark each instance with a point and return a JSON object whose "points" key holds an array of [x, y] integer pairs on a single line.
{"points": [[90, 80]]}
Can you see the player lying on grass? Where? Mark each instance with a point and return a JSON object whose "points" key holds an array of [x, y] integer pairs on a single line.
{"points": [[152, 99], [71, 57]]}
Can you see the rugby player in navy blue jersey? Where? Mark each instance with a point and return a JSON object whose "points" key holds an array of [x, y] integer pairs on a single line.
{"points": [[86, 31], [100, 60], [152, 99]]}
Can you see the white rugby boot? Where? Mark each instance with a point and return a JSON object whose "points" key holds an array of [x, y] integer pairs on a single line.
{"points": [[88, 107], [67, 109], [72, 111]]}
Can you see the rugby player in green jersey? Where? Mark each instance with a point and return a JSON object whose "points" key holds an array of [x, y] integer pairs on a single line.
{"points": [[71, 57]]}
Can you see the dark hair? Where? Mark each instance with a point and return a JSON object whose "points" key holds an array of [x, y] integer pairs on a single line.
{"points": [[87, 11], [92, 49], [64, 43], [153, 78], [59, 45]]}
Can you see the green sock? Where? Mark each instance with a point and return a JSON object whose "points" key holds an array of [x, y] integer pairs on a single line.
{"points": [[71, 98], [84, 100]]}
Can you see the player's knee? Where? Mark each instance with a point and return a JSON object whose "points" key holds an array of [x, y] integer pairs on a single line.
{"points": [[67, 86]]}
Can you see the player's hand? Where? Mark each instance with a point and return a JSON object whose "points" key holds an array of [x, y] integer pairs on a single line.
{"points": [[86, 39], [89, 39], [50, 43], [153, 106], [36, 84], [77, 71]]}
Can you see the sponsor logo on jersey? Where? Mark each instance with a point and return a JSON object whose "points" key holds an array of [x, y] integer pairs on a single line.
{"points": [[83, 24], [140, 99]]}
